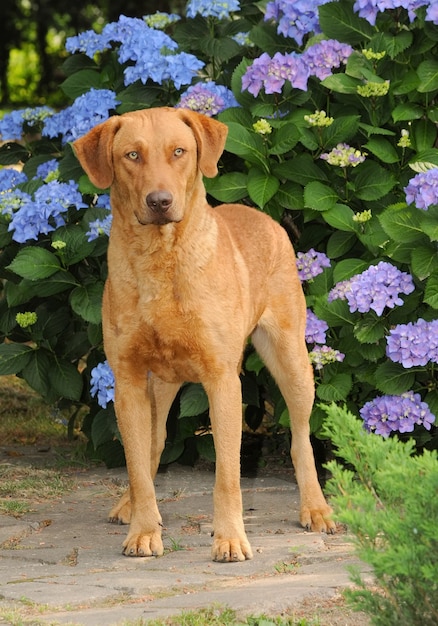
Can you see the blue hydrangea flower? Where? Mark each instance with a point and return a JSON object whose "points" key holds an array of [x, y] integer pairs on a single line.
{"points": [[325, 55], [377, 287], [413, 344], [368, 9], [88, 110], [315, 328], [48, 170], [102, 384], [161, 20], [207, 98], [422, 190], [212, 8], [311, 263], [14, 124], [89, 43], [100, 227], [387, 414], [10, 178], [43, 212], [12, 201], [295, 19]]}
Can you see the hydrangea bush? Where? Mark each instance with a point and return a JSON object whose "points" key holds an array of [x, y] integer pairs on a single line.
{"points": [[332, 111]]}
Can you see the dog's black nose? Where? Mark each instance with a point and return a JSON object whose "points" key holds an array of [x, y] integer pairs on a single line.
{"points": [[159, 201]]}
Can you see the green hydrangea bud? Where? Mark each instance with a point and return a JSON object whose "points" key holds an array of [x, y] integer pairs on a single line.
{"points": [[262, 127], [363, 216], [372, 90], [373, 56], [405, 140], [58, 244], [24, 320], [319, 118]]}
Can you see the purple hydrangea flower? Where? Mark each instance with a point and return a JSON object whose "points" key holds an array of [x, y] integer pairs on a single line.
{"points": [[368, 9], [88, 110], [422, 190], [377, 287], [102, 384], [43, 212], [413, 344], [271, 74], [212, 8], [13, 125], [207, 98], [322, 57], [387, 414], [311, 263], [295, 19], [10, 178], [432, 13], [315, 328]]}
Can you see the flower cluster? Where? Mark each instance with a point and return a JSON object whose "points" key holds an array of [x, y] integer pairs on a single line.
{"points": [[272, 73], [102, 384], [343, 156], [151, 53], [42, 212], [262, 127], [413, 344], [14, 124], [207, 98], [387, 414], [212, 8], [377, 287], [319, 118], [324, 355], [101, 226], [88, 110], [161, 20], [422, 190], [373, 89], [24, 320], [368, 9], [315, 328], [405, 139], [311, 263], [362, 216], [9, 178], [295, 19]]}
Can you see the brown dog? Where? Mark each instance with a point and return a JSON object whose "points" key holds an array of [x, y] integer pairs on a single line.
{"points": [[187, 285]]}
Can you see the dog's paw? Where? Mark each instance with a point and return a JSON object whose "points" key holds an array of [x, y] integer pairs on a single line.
{"points": [[230, 550], [143, 544], [121, 512], [318, 520]]}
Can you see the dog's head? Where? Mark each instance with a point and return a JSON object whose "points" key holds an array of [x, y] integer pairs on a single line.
{"points": [[152, 160]]}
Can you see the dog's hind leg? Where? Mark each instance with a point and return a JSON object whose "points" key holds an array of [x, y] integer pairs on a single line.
{"points": [[162, 396], [283, 350]]}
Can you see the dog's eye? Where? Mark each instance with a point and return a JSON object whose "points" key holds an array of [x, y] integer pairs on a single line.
{"points": [[133, 155], [178, 152]]}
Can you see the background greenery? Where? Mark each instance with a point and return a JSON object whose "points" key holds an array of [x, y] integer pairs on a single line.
{"points": [[282, 174]]}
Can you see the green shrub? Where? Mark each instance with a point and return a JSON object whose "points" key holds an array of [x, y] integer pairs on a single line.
{"points": [[389, 503]]}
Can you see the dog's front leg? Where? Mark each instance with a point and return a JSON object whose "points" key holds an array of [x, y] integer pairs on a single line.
{"points": [[134, 416], [229, 538]]}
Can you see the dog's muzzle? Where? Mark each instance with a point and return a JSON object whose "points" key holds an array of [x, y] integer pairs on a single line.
{"points": [[159, 201]]}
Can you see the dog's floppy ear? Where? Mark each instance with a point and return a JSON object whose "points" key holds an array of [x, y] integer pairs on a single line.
{"points": [[94, 152], [210, 136]]}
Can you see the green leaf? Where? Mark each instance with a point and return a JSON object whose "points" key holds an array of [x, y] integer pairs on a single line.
{"points": [[254, 363], [393, 45], [35, 263], [246, 144], [429, 224], [340, 243], [336, 389], [205, 447], [77, 247], [284, 139], [401, 223], [341, 83], [407, 112], [343, 129], [373, 181], [337, 21], [393, 378], [290, 196], [369, 330], [431, 291], [335, 313], [319, 197], [428, 75], [13, 358], [347, 268], [65, 380], [300, 169], [425, 160], [86, 301], [228, 187], [36, 373], [193, 401], [12, 153], [424, 261], [104, 427], [80, 82], [341, 218], [382, 149], [261, 187]]}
